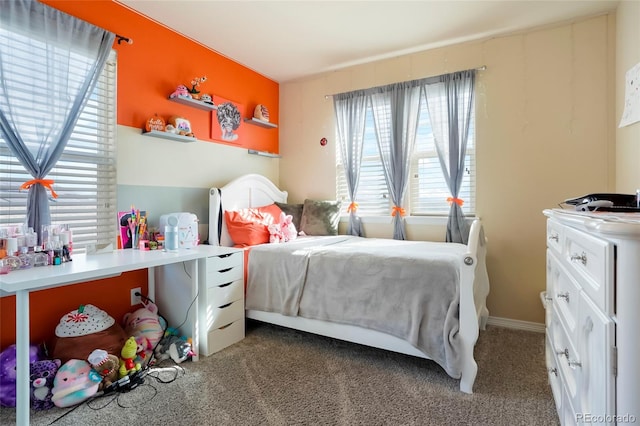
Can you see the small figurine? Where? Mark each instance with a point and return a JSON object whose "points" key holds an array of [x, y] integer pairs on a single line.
{"points": [[181, 92]]}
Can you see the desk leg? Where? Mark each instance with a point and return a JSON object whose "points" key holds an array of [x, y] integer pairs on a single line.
{"points": [[151, 282], [195, 315], [22, 358]]}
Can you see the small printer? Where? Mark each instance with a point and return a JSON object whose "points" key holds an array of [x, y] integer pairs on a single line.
{"points": [[187, 228]]}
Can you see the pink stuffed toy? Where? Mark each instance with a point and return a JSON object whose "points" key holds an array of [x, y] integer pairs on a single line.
{"points": [[181, 92], [282, 231]]}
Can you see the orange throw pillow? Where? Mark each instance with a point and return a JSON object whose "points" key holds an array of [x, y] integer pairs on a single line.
{"points": [[249, 227]]}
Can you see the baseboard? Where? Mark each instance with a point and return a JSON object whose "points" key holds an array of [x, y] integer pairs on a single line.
{"points": [[516, 324]]}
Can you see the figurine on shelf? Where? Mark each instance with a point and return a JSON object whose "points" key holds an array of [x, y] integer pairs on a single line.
{"points": [[206, 98], [194, 92], [181, 92]]}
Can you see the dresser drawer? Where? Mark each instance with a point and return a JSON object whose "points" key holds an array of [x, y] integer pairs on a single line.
{"points": [[566, 298], [591, 260], [566, 356], [222, 270], [219, 295], [555, 236], [553, 373], [225, 314], [224, 336]]}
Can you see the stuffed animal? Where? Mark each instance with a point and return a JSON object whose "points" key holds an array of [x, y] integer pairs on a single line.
{"points": [[127, 358], [74, 383], [282, 231], [42, 376], [181, 92], [145, 323], [8, 373], [172, 346], [106, 365]]}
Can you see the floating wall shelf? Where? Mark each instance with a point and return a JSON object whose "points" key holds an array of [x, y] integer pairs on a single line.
{"points": [[260, 123], [264, 153], [170, 136], [194, 103]]}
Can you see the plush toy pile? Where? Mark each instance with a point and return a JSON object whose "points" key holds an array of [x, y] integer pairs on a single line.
{"points": [[100, 361], [282, 231]]}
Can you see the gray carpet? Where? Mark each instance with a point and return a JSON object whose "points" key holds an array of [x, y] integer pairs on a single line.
{"points": [[277, 376]]}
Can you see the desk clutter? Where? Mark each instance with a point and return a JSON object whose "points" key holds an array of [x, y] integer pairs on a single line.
{"points": [[93, 355], [19, 248]]}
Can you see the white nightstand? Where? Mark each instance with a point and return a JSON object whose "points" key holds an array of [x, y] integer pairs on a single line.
{"points": [[221, 300]]}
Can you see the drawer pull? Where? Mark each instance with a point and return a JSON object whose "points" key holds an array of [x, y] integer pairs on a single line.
{"points": [[229, 304], [554, 237], [222, 271], [553, 371], [581, 257], [564, 296], [564, 352], [225, 285], [573, 364], [222, 256]]}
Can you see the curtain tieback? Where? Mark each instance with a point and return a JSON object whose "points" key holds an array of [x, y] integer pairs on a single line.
{"points": [[352, 207], [458, 201], [397, 210], [44, 182]]}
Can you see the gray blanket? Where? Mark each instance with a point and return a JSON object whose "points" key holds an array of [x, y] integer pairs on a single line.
{"points": [[409, 289]]}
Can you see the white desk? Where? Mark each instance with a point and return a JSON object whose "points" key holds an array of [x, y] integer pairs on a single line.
{"points": [[87, 268]]}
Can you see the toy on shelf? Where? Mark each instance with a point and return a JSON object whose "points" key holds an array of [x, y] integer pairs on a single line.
{"points": [[172, 346], [181, 92], [42, 374], [195, 83]]}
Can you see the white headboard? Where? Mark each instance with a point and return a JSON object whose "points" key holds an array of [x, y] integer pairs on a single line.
{"points": [[250, 190]]}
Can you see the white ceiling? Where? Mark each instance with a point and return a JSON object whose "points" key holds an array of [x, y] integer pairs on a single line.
{"points": [[287, 40]]}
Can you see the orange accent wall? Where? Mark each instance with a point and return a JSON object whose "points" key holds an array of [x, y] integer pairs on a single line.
{"points": [[148, 71]]}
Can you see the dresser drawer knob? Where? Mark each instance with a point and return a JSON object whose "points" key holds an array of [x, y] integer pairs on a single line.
{"points": [[554, 237], [553, 371], [564, 352], [573, 364], [222, 271], [564, 296], [580, 257]]}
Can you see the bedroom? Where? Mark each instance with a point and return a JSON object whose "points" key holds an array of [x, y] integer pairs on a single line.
{"points": [[530, 162]]}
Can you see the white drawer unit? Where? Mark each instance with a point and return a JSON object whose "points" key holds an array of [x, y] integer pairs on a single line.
{"points": [[592, 304], [212, 313], [221, 301]]}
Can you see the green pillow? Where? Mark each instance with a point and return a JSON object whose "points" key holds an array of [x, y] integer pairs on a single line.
{"points": [[320, 217], [295, 210]]}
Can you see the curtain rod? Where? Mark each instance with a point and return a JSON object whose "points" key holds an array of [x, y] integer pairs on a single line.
{"points": [[480, 68], [123, 38]]}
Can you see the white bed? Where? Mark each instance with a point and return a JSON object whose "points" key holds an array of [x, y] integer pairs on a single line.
{"points": [[255, 190]]}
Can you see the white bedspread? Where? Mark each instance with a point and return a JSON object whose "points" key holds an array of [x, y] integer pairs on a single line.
{"points": [[409, 289]]}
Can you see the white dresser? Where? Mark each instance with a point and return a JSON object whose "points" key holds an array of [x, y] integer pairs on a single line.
{"points": [[213, 313], [592, 304]]}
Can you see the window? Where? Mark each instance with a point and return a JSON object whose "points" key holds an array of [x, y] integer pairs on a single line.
{"points": [[427, 192], [85, 175]]}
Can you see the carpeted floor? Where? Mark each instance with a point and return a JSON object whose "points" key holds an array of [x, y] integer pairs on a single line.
{"points": [[277, 376]]}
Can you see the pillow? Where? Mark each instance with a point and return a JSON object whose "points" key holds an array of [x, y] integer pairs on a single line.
{"points": [[295, 210], [320, 217], [248, 227]]}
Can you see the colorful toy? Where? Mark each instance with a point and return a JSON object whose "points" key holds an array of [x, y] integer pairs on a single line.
{"points": [[42, 375], [145, 323], [181, 92], [8, 373], [106, 365], [172, 346], [127, 358], [74, 383]]}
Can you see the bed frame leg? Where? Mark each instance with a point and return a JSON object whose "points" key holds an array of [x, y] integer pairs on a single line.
{"points": [[469, 372]]}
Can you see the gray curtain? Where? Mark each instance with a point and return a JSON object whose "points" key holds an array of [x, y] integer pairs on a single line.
{"points": [[450, 104], [44, 87], [395, 111], [351, 110]]}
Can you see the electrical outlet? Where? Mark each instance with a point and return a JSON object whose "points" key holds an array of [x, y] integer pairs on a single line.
{"points": [[135, 300]]}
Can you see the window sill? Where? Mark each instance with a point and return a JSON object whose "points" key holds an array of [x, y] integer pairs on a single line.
{"points": [[409, 220]]}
